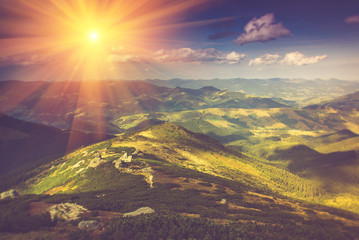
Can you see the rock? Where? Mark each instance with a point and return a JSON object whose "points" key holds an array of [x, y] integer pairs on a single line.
{"points": [[78, 164], [126, 158], [66, 211], [118, 163], [89, 225], [143, 210], [12, 193], [150, 180], [147, 172], [223, 201], [95, 162], [123, 159], [80, 170]]}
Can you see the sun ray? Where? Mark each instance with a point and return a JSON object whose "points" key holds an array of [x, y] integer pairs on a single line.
{"points": [[72, 40]]}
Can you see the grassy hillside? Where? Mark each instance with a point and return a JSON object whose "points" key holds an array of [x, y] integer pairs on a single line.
{"points": [[188, 178], [290, 139], [255, 131], [347, 103], [261, 131], [170, 143], [175, 145], [25, 145]]}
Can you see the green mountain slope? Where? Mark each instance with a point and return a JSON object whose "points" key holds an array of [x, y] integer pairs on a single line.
{"points": [[24, 145], [172, 144], [340, 113], [178, 172], [175, 145], [290, 139], [260, 131], [347, 102]]}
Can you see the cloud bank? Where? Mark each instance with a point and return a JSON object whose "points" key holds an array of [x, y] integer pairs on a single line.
{"points": [[292, 58], [265, 59], [180, 55], [120, 54], [299, 59], [189, 55], [262, 29]]}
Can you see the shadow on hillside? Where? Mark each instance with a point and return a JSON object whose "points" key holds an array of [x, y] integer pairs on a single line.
{"points": [[330, 167]]}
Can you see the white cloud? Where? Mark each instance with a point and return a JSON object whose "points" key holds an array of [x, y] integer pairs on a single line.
{"points": [[262, 29], [120, 54], [124, 58], [299, 59], [181, 55], [234, 57], [352, 19], [265, 59], [188, 55]]}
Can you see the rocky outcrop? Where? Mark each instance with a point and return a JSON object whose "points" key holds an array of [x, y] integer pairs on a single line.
{"points": [[147, 172], [66, 211], [126, 158], [118, 163], [150, 180], [143, 210], [12, 193], [89, 225], [123, 159], [95, 162]]}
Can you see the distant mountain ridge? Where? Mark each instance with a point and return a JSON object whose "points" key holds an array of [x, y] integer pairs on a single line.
{"points": [[346, 103], [302, 91], [93, 105]]}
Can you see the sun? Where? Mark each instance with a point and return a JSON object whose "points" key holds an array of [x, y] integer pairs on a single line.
{"points": [[88, 39], [93, 36]]}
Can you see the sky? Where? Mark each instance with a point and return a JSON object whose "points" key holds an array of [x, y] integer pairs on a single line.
{"points": [[191, 39]]}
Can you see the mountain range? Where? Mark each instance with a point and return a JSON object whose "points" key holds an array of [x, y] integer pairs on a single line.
{"points": [[297, 92], [182, 175], [205, 160], [83, 105]]}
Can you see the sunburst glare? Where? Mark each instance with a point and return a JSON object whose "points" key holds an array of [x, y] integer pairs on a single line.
{"points": [[84, 40], [94, 36]]}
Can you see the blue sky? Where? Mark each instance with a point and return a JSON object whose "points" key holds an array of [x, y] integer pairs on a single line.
{"points": [[213, 39], [316, 28]]}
